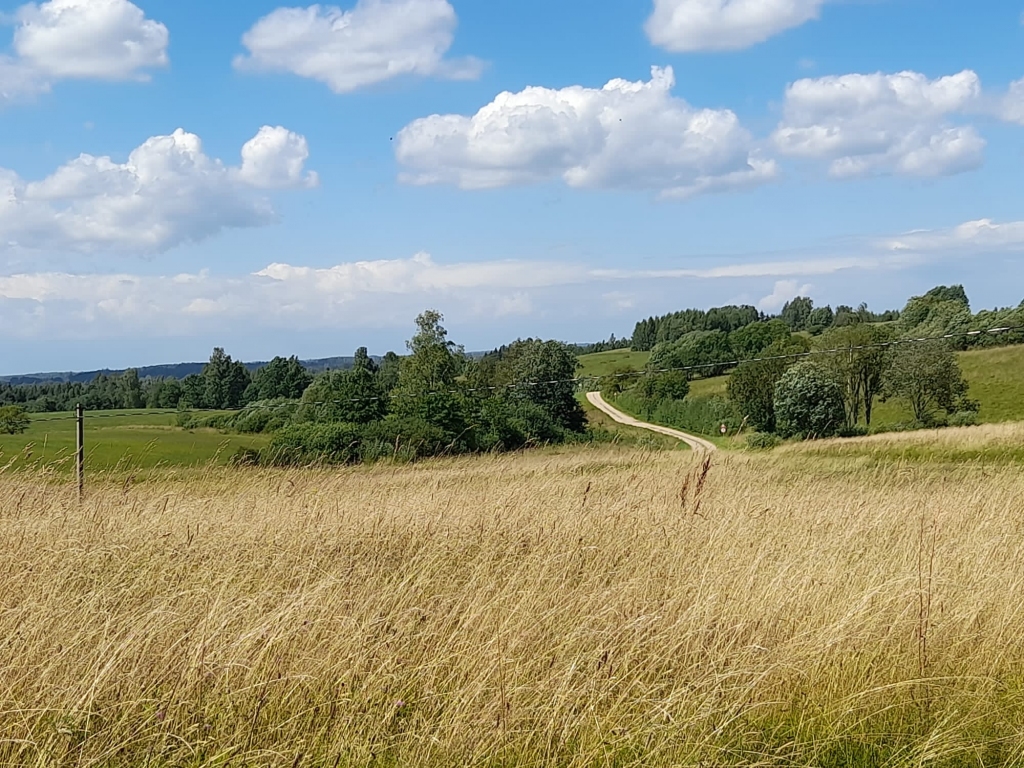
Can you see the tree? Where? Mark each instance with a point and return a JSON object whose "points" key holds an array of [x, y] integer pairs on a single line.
{"points": [[704, 353], [13, 420], [797, 312], [943, 310], [131, 390], [820, 319], [809, 402], [553, 365], [224, 382], [860, 365], [280, 378], [927, 376], [426, 388], [751, 340], [752, 385], [353, 396]]}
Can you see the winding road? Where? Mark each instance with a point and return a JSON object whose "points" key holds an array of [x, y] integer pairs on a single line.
{"points": [[698, 444]]}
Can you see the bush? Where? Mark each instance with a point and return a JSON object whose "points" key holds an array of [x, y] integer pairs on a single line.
{"points": [[858, 430], [13, 420], [763, 441], [316, 443], [405, 439], [964, 419], [809, 402]]}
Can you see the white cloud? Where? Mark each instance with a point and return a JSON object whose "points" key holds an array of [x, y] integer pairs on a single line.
{"points": [[166, 193], [632, 135], [969, 237], [724, 25], [77, 39], [381, 293], [1011, 107], [375, 41], [882, 123], [785, 291]]}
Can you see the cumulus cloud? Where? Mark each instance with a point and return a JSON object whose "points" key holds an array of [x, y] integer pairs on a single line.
{"points": [[969, 237], [166, 193], [78, 39], [785, 291], [882, 123], [375, 41], [632, 135], [724, 25]]}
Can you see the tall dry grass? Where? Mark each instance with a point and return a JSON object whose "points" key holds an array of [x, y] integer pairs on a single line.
{"points": [[586, 608]]}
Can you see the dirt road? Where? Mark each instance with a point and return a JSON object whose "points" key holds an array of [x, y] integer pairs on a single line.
{"points": [[696, 443]]}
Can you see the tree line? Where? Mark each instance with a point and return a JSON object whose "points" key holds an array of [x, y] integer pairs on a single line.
{"points": [[786, 380]]}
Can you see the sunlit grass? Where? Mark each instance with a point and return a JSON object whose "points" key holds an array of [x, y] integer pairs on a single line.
{"points": [[594, 606]]}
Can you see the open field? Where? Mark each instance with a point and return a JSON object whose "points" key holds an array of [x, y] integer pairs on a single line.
{"points": [[129, 440], [593, 606], [604, 363], [996, 377]]}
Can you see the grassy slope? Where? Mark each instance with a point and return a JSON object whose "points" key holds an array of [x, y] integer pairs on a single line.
{"points": [[996, 377], [126, 439], [631, 435]]}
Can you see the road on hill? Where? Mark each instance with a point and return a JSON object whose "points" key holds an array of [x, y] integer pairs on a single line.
{"points": [[698, 444]]}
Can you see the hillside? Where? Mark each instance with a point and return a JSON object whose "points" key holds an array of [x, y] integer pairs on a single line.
{"points": [[996, 377]]}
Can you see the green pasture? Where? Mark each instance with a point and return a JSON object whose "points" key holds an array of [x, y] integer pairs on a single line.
{"points": [[127, 440]]}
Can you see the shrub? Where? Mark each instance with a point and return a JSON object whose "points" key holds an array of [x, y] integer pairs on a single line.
{"points": [[763, 441], [13, 420], [858, 430], [809, 402], [317, 443], [964, 419], [405, 439]]}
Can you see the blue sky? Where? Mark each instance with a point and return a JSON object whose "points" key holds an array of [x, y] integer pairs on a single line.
{"points": [[278, 180]]}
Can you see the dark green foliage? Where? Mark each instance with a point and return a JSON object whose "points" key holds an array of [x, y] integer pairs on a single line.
{"points": [[752, 340], [163, 393], [943, 310], [752, 385], [797, 312], [317, 443], [541, 373], [353, 396], [820, 319], [860, 366], [701, 416], [927, 376], [809, 402], [703, 353], [13, 420], [763, 441], [668, 328], [281, 378]]}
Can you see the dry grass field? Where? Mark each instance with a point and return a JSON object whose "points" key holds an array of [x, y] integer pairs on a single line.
{"points": [[594, 607]]}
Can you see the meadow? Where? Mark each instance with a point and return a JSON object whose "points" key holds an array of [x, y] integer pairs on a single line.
{"points": [[124, 440], [996, 378], [571, 607]]}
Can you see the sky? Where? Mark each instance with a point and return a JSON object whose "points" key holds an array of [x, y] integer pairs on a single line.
{"points": [[177, 175]]}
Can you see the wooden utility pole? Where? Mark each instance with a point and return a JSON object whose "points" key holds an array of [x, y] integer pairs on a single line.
{"points": [[80, 449]]}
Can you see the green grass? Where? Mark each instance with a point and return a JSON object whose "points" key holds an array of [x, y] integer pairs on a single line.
{"points": [[128, 440], [603, 363], [631, 435]]}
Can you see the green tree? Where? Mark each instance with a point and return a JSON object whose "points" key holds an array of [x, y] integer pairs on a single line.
{"points": [[280, 378], [809, 402], [859, 365], [927, 376], [427, 379], [797, 312], [131, 390], [751, 340], [13, 420], [543, 373], [224, 382], [353, 396], [704, 353], [751, 386]]}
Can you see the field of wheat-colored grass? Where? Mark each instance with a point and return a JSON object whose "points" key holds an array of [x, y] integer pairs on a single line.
{"points": [[597, 606]]}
